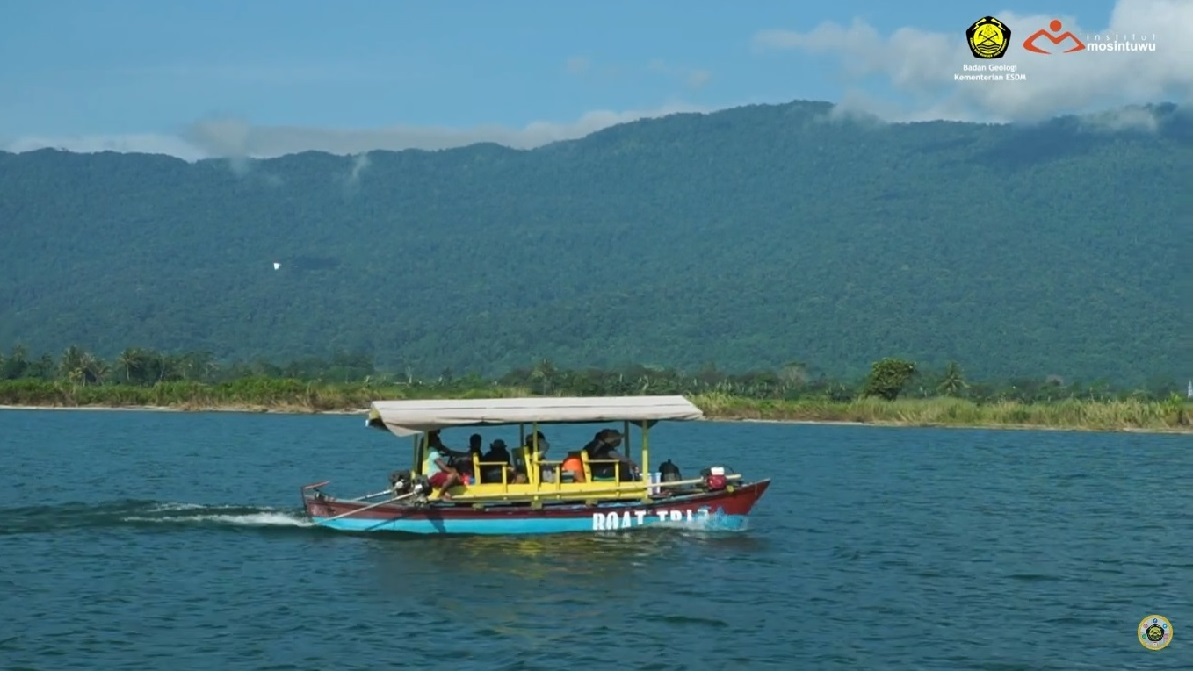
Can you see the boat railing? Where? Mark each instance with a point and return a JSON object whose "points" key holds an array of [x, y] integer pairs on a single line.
{"points": [[552, 465], [479, 467], [588, 463]]}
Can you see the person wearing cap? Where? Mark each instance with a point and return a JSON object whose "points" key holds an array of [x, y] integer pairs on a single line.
{"points": [[605, 446]]}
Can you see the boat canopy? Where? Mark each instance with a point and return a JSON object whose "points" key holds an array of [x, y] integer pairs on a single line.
{"points": [[405, 418]]}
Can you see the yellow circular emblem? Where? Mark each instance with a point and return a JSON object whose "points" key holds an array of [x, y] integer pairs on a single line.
{"points": [[988, 38], [1155, 632]]}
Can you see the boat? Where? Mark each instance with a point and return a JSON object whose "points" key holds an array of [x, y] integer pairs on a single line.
{"points": [[580, 493]]}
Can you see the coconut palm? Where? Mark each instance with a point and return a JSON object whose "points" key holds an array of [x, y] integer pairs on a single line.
{"points": [[94, 369], [133, 361], [544, 373], [952, 381], [70, 366]]}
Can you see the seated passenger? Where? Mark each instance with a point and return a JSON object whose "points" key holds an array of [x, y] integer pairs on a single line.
{"points": [[497, 453], [604, 446], [523, 456], [572, 464], [464, 463]]}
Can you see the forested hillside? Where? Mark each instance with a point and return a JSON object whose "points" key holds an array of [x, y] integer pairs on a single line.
{"points": [[749, 238]]}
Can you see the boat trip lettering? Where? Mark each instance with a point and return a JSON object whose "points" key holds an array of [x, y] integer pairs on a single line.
{"points": [[618, 520]]}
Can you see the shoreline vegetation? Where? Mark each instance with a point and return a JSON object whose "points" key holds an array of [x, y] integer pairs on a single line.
{"points": [[934, 413], [895, 392]]}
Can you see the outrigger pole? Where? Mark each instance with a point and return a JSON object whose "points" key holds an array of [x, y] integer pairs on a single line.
{"points": [[376, 494], [370, 506]]}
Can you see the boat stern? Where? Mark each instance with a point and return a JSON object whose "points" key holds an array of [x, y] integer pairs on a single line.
{"points": [[314, 500]]}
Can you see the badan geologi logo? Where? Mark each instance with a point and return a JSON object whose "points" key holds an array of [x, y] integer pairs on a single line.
{"points": [[1054, 35], [988, 38]]}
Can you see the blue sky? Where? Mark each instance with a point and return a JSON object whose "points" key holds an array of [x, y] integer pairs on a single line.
{"points": [[122, 69]]}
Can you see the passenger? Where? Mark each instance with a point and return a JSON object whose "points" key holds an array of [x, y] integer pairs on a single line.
{"points": [[523, 456], [572, 464], [440, 472], [497, 453], [604, 446], [465, 464]]}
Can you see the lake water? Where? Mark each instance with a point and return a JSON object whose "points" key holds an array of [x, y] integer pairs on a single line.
{"points": [[145, 540]]}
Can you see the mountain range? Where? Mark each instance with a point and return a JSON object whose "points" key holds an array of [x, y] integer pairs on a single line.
{"points": [[749, 238]]}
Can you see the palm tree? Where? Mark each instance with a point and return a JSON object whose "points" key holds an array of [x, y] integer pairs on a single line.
{"points": [[133, 362], [794, 374], [71, 363], [544, 372], [195, 364], [94, 369], [952, 382]]}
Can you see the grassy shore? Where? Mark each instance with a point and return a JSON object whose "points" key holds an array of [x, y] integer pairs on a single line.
{"points": [[1174, 417], [290, 396]]}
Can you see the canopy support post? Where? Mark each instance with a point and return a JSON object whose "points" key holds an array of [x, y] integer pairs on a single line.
{"points": [[643, 467], [534, 475]]}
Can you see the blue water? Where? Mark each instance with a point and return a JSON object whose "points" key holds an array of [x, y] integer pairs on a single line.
{"points": [[144, 540]]}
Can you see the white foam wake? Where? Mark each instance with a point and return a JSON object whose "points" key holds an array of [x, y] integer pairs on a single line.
{"points": [[261, 519]]}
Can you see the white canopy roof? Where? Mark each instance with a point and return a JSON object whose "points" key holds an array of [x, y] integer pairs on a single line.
{"points": [[405, 418]]}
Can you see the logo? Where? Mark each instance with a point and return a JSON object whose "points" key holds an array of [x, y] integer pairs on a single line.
{"points": [[1054, 36], [988, 38], [1155, 632]]}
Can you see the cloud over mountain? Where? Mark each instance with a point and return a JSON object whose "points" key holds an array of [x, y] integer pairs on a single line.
{"points": [[920, 65]]}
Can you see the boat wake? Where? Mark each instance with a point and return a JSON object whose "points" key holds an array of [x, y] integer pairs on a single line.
{"points": [[717, 523], [140, 513]]}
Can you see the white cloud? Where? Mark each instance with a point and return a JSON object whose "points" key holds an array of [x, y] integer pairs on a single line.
{"points": [[159, 144], [921, 65], [699, 78], [360, 163], [577, 65], [231, 137], [917, 63], [694, 78]]}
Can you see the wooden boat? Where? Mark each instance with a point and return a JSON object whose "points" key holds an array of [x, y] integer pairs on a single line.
{"points": [[553, 499]]}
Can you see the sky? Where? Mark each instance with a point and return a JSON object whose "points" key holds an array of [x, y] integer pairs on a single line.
{"points": [[270, 77]]}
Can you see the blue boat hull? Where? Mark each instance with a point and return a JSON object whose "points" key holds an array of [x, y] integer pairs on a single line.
{"points": [[716, 511], [717, 521]]}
